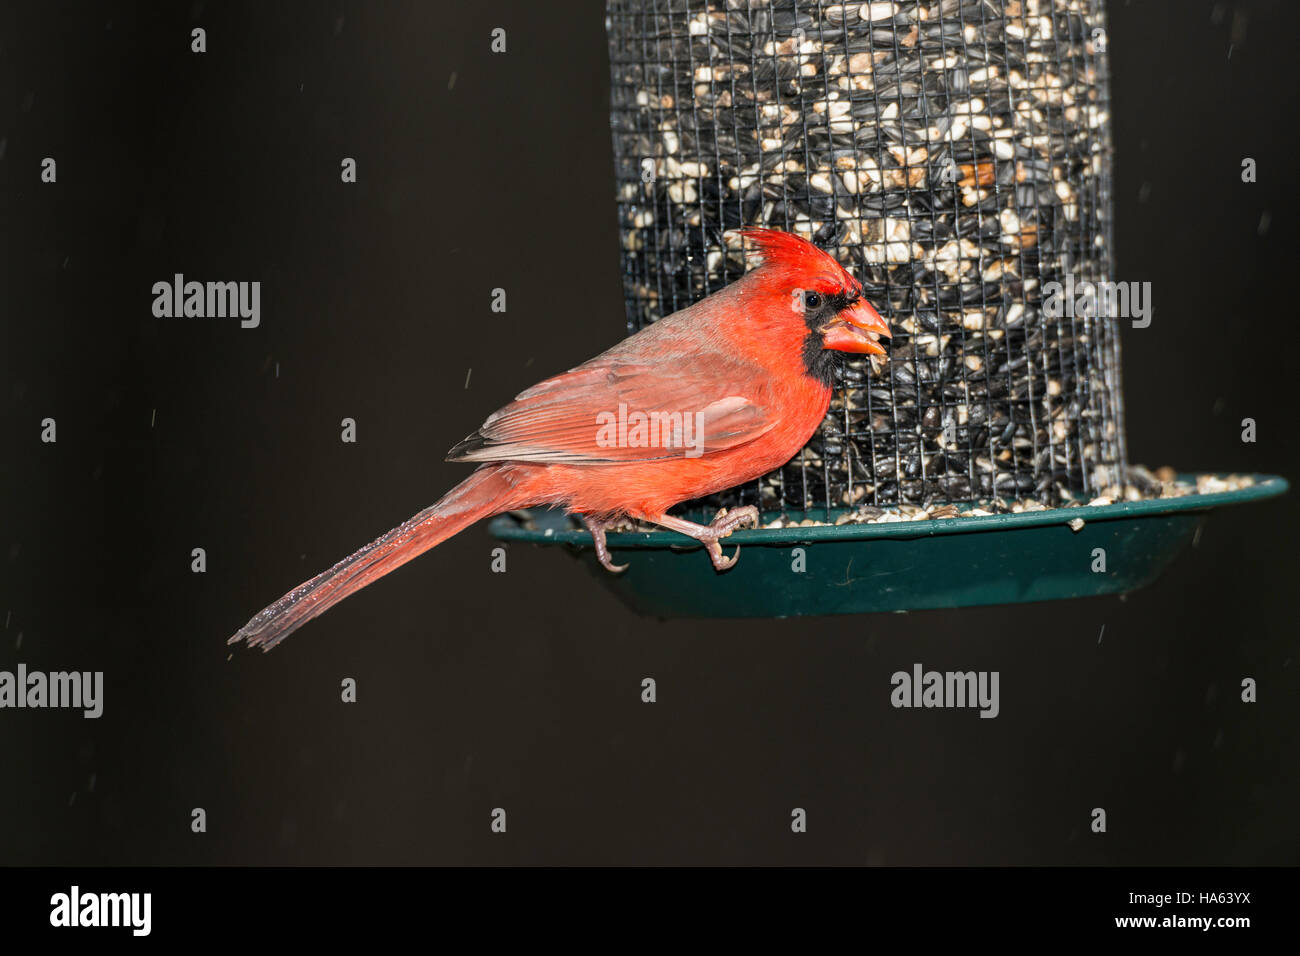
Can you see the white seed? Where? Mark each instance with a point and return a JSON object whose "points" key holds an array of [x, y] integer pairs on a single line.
{"points": [[682, 192], [871, 12], [898, 230], [899, 252]]}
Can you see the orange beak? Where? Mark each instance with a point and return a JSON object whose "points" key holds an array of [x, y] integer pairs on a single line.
{"points": [[857, 329]]}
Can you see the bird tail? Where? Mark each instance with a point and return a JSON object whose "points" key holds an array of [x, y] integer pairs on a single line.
{"points": [[490, 490]]}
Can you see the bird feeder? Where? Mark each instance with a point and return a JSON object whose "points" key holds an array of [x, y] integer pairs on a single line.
{"points": [[955, 156]]}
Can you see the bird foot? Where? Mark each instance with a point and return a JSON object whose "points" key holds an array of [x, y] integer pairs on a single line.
{"points": [[709, 535], [597, 529], [722, 525], [728, 521]]}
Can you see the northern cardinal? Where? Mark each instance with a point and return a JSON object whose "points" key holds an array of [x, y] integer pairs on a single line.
{"points": [[707, 398]]}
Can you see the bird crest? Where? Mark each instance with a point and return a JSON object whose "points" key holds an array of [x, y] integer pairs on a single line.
{"points": [[799, 260]]}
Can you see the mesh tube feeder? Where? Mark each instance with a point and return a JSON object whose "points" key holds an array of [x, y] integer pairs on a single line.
{"points": [[955, 156]]}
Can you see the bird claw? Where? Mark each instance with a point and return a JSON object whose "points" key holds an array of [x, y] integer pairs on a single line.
{"points": [[710, 534], [597, 530], [720, 561], [722, 525], [609, 565], [728, 521]]}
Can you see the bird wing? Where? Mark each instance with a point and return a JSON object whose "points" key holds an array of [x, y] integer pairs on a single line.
{"points": [[694, 401]]}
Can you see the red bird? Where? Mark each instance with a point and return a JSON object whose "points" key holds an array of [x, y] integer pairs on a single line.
{"points": [[705, 399]]}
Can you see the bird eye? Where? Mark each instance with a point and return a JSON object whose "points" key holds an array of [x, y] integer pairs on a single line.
{"points": [[812, 300]]}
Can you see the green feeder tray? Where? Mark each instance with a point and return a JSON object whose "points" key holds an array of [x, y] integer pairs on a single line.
{"points": [[897, 566]]}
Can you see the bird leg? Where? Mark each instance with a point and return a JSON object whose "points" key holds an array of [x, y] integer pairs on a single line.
{"points": [[597, 529], [709, 535]]}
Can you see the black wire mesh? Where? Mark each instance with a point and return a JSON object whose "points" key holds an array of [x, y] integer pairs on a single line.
{"points": [[956, 156]]}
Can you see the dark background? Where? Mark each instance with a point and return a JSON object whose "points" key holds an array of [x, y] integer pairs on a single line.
{"points": [[522, 690]]}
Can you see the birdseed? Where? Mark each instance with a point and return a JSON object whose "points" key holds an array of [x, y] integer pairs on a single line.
{"points": [[1143, 486], [955, 155]]}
